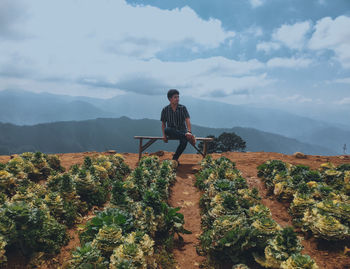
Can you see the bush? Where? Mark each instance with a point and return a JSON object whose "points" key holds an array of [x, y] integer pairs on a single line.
{"points": [[31, 229], [224, 143]]}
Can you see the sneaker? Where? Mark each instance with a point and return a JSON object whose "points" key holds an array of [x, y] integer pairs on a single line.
{"points": [[177, 163]]}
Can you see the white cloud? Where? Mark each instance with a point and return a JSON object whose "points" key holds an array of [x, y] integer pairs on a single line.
{"points": [[78, 28], [206, 85], [184, 29], [268, 46], [198, 77], [342, 80], [256, 3], [333, 35], [289, 62], [255, 31], [344, 101], [225, 67], [293, 36], [298, 99], [12, 14], [329, 33], [291, 99], [73, 40], [102, 75]]}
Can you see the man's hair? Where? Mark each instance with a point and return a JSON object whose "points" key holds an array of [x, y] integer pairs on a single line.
{"points": [[172, 92]]}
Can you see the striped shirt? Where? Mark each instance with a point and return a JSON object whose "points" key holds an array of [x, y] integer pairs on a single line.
{"points": [[175, 119]]}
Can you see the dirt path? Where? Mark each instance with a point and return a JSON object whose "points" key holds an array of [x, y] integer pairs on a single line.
{"points": [[186, 195]]}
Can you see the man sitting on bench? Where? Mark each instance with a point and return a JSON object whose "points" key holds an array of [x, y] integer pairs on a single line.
{"points": [[173, 117]]}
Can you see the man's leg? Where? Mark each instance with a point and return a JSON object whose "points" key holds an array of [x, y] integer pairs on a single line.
{"points": [[173, 133]]}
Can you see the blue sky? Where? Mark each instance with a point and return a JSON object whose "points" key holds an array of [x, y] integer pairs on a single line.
{"points": [[290, 54]]}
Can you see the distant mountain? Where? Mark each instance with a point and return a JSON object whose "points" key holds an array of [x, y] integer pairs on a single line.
{"points": [[333, 138], [118, 133], [213, 114], [21, 107], [26, 108]]}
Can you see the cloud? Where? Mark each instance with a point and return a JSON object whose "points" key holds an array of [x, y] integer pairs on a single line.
{"points": [[97, 82], [289, 62], [344, 101], [254, 31], [11, 15], [197, 77], [256, 3], [342, 80], [293, 36], [225, 67], [333, 35], [69, 49], [297, 98], [144, 85], [15, 66], [134, 46], [215, 86], [292, 99], [100, 48], [137, 83], [219, 93], [268, 46], [161, 30]]}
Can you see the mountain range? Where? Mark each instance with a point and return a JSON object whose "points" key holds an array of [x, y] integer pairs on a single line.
{"points": [[118, 134], [27, 108]]}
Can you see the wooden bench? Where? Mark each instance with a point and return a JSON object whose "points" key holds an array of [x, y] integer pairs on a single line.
{"points": [[152, 139]]}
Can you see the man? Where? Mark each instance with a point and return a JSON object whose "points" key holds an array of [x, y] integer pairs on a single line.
{"points": [[176, 123]]}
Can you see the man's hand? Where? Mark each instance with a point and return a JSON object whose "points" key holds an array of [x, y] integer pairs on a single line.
{"points": [[191, 138], [165, 139], [188, 135]]}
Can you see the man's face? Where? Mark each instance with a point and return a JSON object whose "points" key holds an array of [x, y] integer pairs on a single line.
{"points": [[174, 100]]}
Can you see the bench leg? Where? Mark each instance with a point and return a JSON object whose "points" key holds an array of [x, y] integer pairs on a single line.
{"points": [[140, 149], [145, 146], [205, 149]]}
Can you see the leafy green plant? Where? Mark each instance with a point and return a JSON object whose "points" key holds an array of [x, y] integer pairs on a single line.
{"points": [[31, 229], [297, 261], [174, 221], [237, 226], [110, 216], [3, 244], [324, 226], [280, 248], [107, 239], [87, 257]]}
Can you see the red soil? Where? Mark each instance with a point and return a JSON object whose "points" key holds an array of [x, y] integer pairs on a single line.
{"points": [[185, 195]]}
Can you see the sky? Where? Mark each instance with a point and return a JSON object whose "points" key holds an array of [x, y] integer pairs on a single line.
{"points": [[290, 54]]}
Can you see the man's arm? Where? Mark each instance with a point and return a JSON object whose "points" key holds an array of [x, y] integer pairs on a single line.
{"points": [[190, 137], [188, 124], [163, 119], [165, 139]]}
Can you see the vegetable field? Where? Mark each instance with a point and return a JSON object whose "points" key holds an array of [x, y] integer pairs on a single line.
{"points": [[100, 210]]}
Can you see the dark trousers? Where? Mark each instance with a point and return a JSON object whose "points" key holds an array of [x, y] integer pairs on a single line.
{"points": [[180, 135]]}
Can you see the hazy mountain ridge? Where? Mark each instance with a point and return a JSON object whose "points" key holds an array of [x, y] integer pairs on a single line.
{"points": [[26, 108], [338, 137], [118, 133]]}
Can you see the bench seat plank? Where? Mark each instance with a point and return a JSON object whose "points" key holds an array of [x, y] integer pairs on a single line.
{"points": [[153, 139], [161, 138]]}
